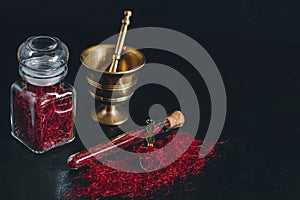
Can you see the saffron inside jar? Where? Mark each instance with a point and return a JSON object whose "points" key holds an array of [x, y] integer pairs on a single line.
{"points": [[42, 116]]}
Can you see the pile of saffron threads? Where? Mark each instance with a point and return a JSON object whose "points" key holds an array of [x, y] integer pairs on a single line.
{"points": [[103, 181]]}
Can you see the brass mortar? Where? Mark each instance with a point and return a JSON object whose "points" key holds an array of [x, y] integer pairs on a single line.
{"points": [[114, 88]]}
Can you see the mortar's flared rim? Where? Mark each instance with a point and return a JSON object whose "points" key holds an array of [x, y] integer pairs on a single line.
{"points": [[138, 56]]}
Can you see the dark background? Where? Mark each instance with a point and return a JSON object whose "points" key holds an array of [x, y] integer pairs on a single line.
{"points": [[255, 45]]}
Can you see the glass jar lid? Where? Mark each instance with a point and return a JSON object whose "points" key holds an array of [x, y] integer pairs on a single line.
{"points": [[43, 60]]}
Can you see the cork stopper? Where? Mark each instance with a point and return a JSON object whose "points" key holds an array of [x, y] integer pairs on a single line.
{"points": [[176, 119]]}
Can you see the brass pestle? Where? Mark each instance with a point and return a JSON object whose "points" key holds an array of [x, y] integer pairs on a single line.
{"points": [[119, 46]]}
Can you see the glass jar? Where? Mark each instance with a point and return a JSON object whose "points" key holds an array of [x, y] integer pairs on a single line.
{"points": [[42, 105]]}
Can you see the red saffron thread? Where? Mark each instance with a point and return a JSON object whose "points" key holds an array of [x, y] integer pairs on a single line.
{"points": [[104, 181], [43, 116]]}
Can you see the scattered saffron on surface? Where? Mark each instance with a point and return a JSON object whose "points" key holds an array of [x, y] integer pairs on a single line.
{"points": [[104, 181], [43, 116]]}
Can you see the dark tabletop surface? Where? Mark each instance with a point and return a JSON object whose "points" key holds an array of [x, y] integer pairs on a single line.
{"points": [[255, 45]]}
